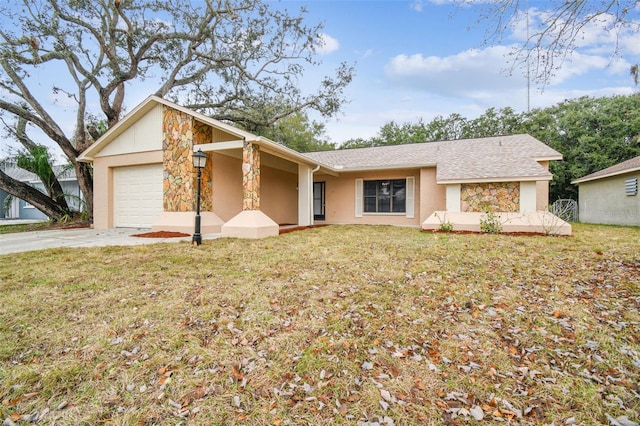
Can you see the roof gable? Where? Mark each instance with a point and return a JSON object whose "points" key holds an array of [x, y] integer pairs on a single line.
{"points": [[144, 108]]}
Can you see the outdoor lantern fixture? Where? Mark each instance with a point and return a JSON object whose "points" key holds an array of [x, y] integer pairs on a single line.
{"points": [[199, 161]]}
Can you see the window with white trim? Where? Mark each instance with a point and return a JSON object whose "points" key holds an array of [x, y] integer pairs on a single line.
{"points": [[385, 196], [388, 196]]}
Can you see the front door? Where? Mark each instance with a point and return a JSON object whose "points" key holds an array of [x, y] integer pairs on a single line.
{"points": [[318, 201]]}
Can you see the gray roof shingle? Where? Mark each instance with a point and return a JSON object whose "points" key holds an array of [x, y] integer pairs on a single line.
{"points": [[499, 158], [624, 167]]}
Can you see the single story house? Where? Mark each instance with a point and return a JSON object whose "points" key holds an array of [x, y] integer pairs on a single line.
{"points": [[16, 208], [144, 177], [610, 196]]}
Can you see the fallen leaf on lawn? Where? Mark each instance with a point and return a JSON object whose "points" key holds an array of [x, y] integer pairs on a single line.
{"points": [[237, 374], [385, 395], [15, 417], [477, 413]]}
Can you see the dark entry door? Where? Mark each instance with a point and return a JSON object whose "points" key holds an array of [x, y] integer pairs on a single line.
{"points": [[318, 201]]}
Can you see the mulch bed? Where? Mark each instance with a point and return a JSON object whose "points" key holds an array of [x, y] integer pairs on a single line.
{"points": [[162, 234], [298, 228], [170, 234]]}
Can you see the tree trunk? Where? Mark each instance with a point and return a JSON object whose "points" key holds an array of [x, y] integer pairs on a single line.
{"points": [[85, 182], [39, 200]]}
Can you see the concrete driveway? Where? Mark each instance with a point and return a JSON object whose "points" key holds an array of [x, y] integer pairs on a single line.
{"points": [[80, 237]]}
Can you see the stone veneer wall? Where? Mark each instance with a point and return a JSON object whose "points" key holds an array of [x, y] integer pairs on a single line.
{"points": [[250, 176], [502, 197], [179, 133]]}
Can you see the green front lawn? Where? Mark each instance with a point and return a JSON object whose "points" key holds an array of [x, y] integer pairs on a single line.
{"points": [[338, 324]]}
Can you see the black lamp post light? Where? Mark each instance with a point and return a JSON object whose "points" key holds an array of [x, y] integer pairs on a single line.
{"points": [[199, 161]]}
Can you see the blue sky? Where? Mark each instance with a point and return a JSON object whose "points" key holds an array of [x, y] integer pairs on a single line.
{"points": [[420, 59]]}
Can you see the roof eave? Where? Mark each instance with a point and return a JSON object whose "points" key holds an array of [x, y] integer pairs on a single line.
{"points": [[549, 158], [341, 169], [282, 151], [495, 179], [588, 179]]}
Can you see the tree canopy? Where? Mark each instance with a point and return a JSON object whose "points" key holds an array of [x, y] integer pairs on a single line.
{"points": [[226, 58], [297, 132]]}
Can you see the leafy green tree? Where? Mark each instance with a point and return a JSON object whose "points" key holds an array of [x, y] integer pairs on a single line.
{"points": [[298, 133], [447, 128], [591, 134], [494, 123], [225, 58], [356, 143]]}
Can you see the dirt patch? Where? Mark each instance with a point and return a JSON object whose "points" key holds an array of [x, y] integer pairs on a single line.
{"points": [[162, 234]]}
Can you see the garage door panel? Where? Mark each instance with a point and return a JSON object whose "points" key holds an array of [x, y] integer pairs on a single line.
{"points": [[137, 195]]}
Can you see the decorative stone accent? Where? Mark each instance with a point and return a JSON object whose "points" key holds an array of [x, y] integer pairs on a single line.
{"points": [[501, 197], [201, 135], [250, 176], [179, 133]]}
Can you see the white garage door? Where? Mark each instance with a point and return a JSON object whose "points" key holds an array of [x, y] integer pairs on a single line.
{"points": [[137, 194]]}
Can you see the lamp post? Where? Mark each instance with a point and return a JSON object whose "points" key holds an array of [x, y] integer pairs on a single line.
{"points": [[199, 161]]}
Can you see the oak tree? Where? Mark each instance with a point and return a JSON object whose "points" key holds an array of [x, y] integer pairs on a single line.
{"points": [[225, 58]]}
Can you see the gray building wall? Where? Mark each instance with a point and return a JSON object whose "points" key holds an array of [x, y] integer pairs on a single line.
{"points": [[27, 211], [605, 201]]}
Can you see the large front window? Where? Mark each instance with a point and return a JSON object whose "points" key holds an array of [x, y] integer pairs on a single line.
{"points": [[385, 196]]}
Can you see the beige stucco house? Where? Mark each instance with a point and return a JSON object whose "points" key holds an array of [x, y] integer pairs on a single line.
{"points": [[143, 177], [610, 196]]}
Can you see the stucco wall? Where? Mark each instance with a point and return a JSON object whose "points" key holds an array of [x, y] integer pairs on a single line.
{"points": [[226, 185], [278, 193], [542, 187], [605, 201], [432, 195], [340, 198]]}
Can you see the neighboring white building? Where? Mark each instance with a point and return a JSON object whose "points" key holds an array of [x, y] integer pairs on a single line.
{"points": [[610, 196]]}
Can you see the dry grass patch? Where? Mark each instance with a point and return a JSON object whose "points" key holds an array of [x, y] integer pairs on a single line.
{"points": [[339, 324]]}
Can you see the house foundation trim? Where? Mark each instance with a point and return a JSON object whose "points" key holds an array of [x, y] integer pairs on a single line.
{"points": [[184, 222], [250, 224]]}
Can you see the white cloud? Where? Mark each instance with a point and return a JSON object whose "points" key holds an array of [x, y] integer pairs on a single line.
{"points": [[417, 5], [602, 37], [327, 44], [472, 70]]}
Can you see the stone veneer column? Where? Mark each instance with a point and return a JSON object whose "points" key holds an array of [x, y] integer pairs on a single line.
{"points": [[250, 176], [201, 135], [180, 132]]}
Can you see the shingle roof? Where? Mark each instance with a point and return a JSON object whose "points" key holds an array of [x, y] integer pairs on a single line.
{"points": [[494, 158], [22, 175], [624, 167]]}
